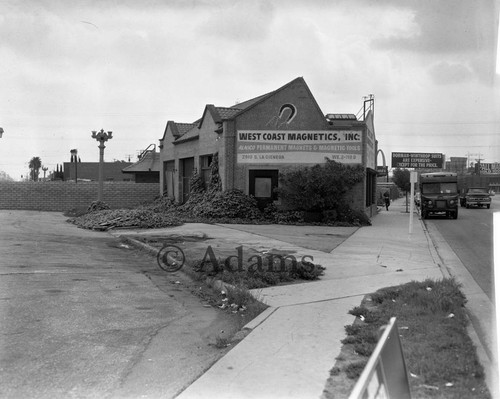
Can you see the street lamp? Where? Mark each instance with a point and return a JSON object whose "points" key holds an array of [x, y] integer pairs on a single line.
{"points": [[74, 159], [101, 137]]}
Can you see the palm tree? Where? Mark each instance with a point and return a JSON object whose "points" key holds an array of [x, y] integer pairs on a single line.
{"points": [[35, 165]]}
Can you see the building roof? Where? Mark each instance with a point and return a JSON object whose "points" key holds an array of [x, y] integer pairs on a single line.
{"points": [[149, 162], [189, 131]]}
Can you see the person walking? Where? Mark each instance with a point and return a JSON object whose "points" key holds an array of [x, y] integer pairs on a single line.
{"points": [[387, 200]]}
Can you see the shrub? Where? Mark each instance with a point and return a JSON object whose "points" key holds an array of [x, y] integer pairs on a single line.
{"points": [[320, 187]]}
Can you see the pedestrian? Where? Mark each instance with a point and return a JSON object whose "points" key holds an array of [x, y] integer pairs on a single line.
{"points": [[387, 200]]}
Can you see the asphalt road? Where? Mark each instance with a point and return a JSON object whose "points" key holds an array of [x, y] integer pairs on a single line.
{"points": [[471, 238], [83, 316]]}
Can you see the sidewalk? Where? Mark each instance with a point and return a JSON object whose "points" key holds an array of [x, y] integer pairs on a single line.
{"points": [[292, 345]]}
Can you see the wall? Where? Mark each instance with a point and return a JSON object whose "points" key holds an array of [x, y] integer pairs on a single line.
{"points": [[90, 170], [62, 196]]}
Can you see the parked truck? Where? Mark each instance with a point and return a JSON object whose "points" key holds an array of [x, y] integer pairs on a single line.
{"points": [[439, 194], [475, 196]]}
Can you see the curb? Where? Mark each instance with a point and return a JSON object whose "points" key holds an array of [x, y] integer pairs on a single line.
{"points": [[481, 349]]}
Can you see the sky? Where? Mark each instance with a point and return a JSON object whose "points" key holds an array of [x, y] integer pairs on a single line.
{"points": [[68, 68]]}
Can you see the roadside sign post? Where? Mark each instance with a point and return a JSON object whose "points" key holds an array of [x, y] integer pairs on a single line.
{"points": [[413, 180], [385, 374]]}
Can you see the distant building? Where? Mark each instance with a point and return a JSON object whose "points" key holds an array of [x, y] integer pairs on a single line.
{"points": [[457, 165], [90, 171], [147, 169]]}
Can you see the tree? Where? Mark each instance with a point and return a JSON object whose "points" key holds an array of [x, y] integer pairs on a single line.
{"points": [[35, 165], [401, 178]]}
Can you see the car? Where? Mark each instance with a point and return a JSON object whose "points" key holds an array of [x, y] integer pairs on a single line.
{"points": [[475, 196]]}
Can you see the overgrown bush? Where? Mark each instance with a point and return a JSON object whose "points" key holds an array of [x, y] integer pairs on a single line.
{"points": [[320, 187], [232, 204]]}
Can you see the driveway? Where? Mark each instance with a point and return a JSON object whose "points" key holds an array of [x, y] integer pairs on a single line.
{"points": [[82, 315]]}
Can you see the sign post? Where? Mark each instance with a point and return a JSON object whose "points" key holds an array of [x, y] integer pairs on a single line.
{"points": [[413, 180]]}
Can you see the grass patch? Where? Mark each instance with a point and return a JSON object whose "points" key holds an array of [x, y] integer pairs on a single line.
{"points": [[432, 324]]}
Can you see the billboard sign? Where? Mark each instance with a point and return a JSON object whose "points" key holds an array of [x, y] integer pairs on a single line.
{"points": [[417, 160], [301, 146]]}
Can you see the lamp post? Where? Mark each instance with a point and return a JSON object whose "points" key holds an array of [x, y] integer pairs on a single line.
{"points": [[101, 137], [74, 159]]}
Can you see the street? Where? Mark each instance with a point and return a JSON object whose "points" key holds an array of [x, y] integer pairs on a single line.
{"points": [[471, 238], [84, 316]]}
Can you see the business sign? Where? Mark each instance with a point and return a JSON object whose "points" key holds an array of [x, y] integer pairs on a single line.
{"points": [[385, 375], [417, 160], [382, 171], [299, 146]]}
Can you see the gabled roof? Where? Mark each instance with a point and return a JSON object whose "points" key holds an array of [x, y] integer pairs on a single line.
{"points": [[190, 131], [149, 162], [190, 134]]}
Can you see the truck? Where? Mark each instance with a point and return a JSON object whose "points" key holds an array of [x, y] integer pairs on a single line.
{"points": [[475, 196], [439, 194]]}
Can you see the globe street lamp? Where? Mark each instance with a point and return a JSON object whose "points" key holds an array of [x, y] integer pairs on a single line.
{"points": [[101, 137]]}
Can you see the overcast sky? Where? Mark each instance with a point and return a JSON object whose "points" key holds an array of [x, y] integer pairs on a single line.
{"points": [[68, 68]]}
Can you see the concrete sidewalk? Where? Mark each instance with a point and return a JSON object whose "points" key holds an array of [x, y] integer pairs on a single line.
{"points": [[293, 345]]}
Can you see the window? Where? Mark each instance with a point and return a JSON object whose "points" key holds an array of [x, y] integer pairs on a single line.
{"points": [[262, 184]]}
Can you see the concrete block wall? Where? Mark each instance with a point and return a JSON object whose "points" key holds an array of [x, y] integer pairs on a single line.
{"points": [[62, 196]]}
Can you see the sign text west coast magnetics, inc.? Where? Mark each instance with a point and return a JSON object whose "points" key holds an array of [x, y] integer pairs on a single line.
{"points": [[417, 160], [301, 146]]}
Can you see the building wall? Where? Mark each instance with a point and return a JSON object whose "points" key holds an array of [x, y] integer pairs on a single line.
{"points": [[62, 196], [90, 170], [265, 116]]}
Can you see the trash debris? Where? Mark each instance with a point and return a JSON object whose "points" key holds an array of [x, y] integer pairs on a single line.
{"points": [[362, 317], [450, 316], [429, 289], [449, 384], [430, 387], [414, 375], [404, 328], [177, 282], [399, 270]]}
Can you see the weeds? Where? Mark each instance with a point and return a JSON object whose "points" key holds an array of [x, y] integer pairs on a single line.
{"points": [[432, 322]]}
